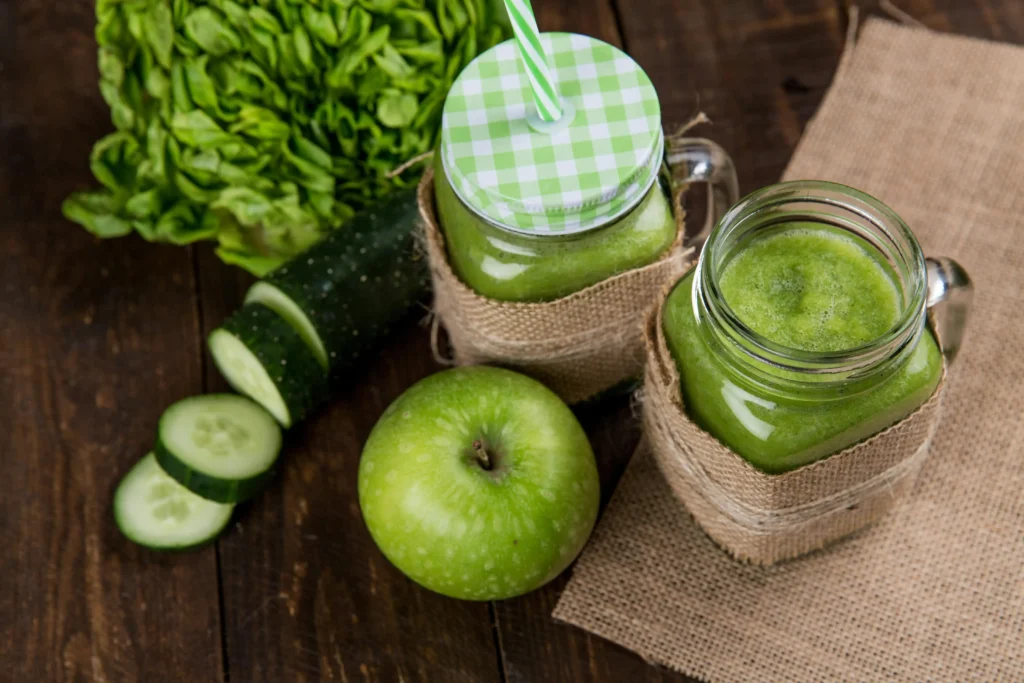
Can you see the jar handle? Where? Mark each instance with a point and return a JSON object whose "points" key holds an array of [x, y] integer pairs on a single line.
{"points": [[698, 160], [950, 293]]}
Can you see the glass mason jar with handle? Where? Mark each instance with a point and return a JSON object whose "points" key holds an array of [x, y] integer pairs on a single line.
{"points": [[803, 330], [533, 211]]}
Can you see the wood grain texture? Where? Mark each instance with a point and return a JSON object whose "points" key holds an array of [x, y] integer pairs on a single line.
{"points": [[758, 69], [359, 616], [680, 45], [1001, 20], [95, 339], [533, 646], [307, 596]]}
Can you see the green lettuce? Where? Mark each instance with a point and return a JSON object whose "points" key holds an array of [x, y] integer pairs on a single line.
{"points": [[261, 124]]}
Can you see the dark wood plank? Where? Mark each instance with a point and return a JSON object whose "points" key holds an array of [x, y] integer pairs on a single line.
{"points": [[534, 647], [690, 51], [95, 339], [1001, 20], [757, 68], [356, 615], [307, 595]]}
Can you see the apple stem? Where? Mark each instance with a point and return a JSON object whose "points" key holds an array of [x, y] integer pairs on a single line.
{"points": [[482, 456]]}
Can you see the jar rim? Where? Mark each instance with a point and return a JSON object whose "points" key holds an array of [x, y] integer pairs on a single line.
{"points": [[843, 207], [624, 210]]}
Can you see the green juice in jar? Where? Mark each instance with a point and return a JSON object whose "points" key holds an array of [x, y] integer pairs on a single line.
{"points": [[508, 266], [810, 288]]}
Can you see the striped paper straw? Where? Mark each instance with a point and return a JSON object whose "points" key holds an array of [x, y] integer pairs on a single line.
{"points": [[536, 62]]}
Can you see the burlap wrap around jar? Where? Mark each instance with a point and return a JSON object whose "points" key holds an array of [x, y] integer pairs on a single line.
{"points": [[580, 345], [766, 518]]}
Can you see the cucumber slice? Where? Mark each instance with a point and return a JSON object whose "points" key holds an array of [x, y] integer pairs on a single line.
{"points": [[273, 298], [222, 447], [155, 511], [343, 294], [261, 356]]}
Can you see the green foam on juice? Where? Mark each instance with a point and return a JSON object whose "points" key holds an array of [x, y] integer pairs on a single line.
{"points": [[811, 288]]}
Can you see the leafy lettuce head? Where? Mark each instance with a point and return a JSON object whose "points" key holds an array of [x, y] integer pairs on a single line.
{"points": [[261, 124]]}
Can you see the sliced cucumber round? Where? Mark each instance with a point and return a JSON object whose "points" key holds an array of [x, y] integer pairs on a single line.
{"points": [[155, 511], [344, 293], [263, 357], [271, 296], [221, 446]]}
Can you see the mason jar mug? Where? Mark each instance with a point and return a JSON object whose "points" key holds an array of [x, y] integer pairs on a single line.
{"points": [[532, 210], [804, 329]]}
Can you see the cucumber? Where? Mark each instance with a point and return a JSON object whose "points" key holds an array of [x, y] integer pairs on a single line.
{"points": [[153, 510], [222, 447], [264, 358], [344, 293]]}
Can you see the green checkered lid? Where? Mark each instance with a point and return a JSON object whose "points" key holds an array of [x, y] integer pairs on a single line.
{"points": [[560, 177]]}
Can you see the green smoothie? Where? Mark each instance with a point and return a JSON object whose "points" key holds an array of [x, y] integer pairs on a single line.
{"points": [[507, 266], [803, 287]]}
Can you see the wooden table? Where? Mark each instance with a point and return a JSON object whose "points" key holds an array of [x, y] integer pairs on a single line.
{"points": [[97, 338]]}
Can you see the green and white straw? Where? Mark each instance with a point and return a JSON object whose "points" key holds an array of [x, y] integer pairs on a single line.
{"points": [[528, 38]]}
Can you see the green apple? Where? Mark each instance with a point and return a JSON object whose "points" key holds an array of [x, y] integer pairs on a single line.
{"points": [[479, 483]]}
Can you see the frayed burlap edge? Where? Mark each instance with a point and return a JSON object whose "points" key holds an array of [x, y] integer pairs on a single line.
{"points": [[580, 345], [766, 518]]}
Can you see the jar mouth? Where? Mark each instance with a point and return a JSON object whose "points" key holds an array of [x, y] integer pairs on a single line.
{"points": [[839, 207]]}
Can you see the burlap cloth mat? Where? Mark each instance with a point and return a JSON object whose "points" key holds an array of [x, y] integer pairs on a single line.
{"points": [[579, 345], [934, 126]]}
